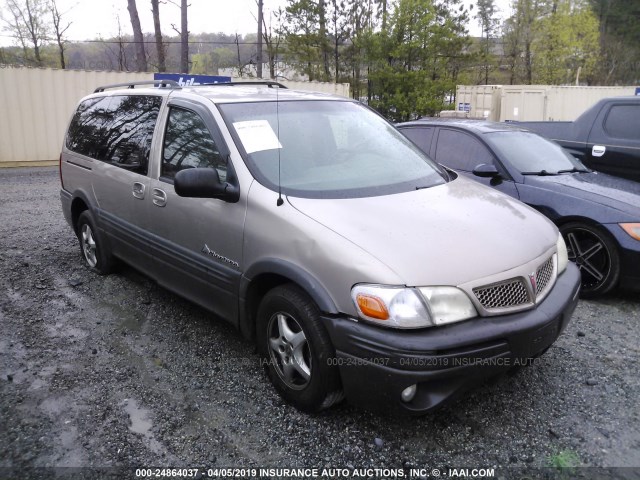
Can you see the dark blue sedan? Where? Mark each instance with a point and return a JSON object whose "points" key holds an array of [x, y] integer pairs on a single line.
{"points": [[598, 214]]}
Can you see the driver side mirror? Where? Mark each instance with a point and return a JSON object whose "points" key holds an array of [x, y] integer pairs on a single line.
{"points": [[204, 183], [485, 170]]}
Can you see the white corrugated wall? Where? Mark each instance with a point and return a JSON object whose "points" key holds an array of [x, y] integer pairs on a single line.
{"points": [[533, 102], [36, 105]]}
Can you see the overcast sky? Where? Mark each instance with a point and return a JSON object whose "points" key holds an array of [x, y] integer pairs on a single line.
{"points": [[93, 18]]}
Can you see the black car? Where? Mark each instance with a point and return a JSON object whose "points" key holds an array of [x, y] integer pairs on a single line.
{"points": [[606, 137], [598, 214]]}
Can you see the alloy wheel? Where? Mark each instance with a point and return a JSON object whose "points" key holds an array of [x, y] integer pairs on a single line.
{"points": [[289, 350], [88, 245]]}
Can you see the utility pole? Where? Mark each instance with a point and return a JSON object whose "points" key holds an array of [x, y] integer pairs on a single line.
{"points": [[259, 53]]}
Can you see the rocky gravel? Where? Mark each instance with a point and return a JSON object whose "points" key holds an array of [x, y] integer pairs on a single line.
{"points": [[114, 371]]}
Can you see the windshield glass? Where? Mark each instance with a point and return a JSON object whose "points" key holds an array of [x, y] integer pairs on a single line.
{"points": [[530, 153], [327, 149]]}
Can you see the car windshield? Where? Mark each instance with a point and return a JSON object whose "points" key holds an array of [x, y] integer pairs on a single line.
{"points": [[330, 149], [532, 154]]}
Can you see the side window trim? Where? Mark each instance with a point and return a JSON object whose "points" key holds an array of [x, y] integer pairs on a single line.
{"points": [[494, 160], [419, 128], [608, 133], [212, 127], [206, 117]]}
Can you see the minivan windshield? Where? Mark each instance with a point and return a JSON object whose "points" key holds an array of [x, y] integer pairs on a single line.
{"points": [[327, 149], [532, 154]]}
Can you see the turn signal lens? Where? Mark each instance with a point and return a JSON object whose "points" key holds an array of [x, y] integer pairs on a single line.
{"points": [[372, 307], [632, 229], [391, 306], [563, 255]]}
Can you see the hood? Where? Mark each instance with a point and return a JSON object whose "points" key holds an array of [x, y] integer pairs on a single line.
{"points": [[596, 187], [444, 235]]}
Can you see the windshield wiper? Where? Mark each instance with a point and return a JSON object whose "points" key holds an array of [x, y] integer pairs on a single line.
{"points": [[575, 170], [541, 173]]}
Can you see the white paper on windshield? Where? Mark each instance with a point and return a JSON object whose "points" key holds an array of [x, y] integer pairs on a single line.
{"points": [[257, 135]]}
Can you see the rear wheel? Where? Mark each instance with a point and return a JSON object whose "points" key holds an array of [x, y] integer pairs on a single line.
{"points": [[94, 250], [297, 350], [595, 254]]}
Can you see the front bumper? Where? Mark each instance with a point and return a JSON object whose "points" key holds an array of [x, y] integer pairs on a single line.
{"points": [[629, 250], [377, 364]]}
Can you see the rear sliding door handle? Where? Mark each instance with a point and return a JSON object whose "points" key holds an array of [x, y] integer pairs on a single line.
{"points": [[138, 190], [159, 197], [598, 150]]}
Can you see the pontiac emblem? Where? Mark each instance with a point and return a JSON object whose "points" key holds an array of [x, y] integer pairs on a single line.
{"points": [[534, 282]]}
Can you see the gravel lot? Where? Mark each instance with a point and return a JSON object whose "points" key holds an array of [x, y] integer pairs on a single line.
{"points": [[115, 371]]}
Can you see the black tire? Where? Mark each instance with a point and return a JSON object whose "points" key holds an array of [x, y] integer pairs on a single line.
{"points": [[595, 254], [293, 343], [93, 248]]}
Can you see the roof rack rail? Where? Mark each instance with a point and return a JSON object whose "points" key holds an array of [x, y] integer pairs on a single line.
{"points": [[268, 83], [162, 83]]}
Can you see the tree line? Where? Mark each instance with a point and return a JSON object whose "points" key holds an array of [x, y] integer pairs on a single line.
{"points": [[403, 57]]}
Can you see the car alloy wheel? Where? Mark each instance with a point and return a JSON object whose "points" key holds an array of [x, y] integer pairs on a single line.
{"points": [[595, 255], [88, 245], [289, 350]]}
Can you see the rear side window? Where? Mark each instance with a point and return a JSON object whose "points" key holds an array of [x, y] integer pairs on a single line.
{"points": [[421, 136], [127, 139], [188, 144], [461, 151], [86, 131], [623, 121], [116, 130]]}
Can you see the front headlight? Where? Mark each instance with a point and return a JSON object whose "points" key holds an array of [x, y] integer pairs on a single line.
{"points": [[563, 256], [632, 229], [401, 307]]}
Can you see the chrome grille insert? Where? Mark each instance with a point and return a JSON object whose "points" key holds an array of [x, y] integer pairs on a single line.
{"points": [[544, 275], [510, 293]]}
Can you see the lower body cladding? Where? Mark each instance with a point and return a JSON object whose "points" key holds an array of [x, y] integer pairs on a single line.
{"points": [[414, 371]]}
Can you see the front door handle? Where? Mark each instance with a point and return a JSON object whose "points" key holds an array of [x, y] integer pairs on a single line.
{"points": [[159, 197], [138, 190], [598, 150]]}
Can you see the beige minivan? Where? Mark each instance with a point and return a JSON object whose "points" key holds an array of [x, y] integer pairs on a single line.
{"points": [[361, 268]]}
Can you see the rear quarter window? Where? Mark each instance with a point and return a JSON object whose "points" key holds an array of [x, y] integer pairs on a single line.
{"points": [[623, 121], [87, 127], [116, 129]]}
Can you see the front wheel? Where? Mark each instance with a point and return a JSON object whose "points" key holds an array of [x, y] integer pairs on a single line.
{"points": [[596, 256], [297, 350]]}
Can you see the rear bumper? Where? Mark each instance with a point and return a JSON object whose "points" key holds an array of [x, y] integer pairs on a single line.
{"points": [[376, 364], [65, 200]]}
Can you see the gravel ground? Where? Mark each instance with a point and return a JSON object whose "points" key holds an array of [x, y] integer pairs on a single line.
{"points": [[115, 371]]}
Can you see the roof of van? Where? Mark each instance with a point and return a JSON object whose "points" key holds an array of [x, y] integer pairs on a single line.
{"points": [[231, 93]]}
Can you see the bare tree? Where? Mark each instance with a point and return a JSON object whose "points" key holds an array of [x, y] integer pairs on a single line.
{"points": [[272, 40], [184, 37], [138, 39], [155, 8], [27, 24], [122, 53], [119, 52], [259, 54], [59, 28]]}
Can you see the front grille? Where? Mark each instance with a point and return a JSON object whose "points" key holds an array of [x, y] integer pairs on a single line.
{"points": [[511, 293], [544, 274]]}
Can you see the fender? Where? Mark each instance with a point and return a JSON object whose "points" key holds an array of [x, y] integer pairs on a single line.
{"points": [[85, 197], [293, 272]]}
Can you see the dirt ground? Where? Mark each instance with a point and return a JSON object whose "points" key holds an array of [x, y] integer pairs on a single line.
{"points": [[114, 371]]}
